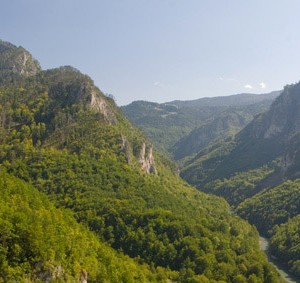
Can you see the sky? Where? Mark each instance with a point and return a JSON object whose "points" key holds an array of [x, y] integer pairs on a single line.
{"points": [[163, 50]]}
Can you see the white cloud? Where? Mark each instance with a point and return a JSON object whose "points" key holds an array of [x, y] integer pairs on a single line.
{"points": [[228, 79], [263, 85], [248, 86], [157, 83]]}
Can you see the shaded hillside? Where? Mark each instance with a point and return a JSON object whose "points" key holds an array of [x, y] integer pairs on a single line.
{"points": [[221, 127], [257, 171], [272, 207], [170, 125], [276, 213], [270, 136], [285, 244]]}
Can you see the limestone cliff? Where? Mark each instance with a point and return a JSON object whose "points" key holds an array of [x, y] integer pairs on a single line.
{"points": [[126, 149], [68, 86], [282, 120], [98, 103], [146, 159], [16, 61]]}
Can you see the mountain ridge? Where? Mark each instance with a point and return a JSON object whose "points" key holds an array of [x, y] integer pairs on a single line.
{"points": [[229, 100], [169, 125], [16, 61]]}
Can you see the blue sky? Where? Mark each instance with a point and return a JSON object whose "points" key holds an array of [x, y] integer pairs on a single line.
{"points": [[162, 50]]}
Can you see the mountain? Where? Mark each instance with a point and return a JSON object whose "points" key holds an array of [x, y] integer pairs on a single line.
{"points": [[181, 128], [223, 126], [16, 62], [270, 137], [258, 172], [241, 99], [112, 208]]}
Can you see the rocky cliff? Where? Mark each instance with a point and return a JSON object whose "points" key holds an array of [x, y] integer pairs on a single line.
{"points": [[146, 159], [16, 61]]}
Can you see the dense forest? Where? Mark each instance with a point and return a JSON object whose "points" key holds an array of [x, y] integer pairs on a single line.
{"points": [[85, 199], [244, 148], [257, 172], [276, 213], [42, 243]]}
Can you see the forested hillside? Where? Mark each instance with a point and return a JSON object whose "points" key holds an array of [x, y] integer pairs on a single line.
{"points": [[276, 213], [258, 172], [183, 128], [272, 136], [41, 243], [61, 136]]}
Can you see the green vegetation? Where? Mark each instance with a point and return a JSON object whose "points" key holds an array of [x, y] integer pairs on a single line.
{"points": [[163, 124], [39, 242], [183, 128], [251, 170], [220, 128], [284, 244], [276, 213], [242, 185], [198, 170], [272, 207], [62, 136]]}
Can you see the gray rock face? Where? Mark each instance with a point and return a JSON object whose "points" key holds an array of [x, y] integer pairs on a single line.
{"points": [[283, 118], [126, 149], [49, 274], [146, 159], [17, 60], [99, 104], [68, 86]]}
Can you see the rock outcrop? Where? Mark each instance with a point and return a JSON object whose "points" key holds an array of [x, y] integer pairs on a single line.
{"points": [[68, 86], [99, 104], [146, 159], [126, 149], [16, 61]]}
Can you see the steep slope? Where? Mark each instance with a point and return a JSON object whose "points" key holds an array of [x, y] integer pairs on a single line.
{"points": [[285, 244], [276, 213], [40, 243], [171, 124], [221, 127], [16, 62], [258, 172], [273, 206], [62, 135], [270, 140]]}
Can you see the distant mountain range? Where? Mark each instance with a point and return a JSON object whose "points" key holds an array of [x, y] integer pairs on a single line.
{"points": [[242, 99], [183, 128]]}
